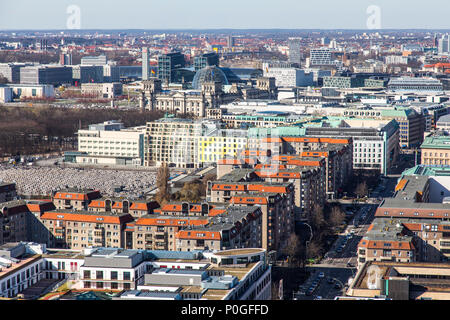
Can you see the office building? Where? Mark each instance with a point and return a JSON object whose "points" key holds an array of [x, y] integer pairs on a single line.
{"points": [[46, 74], [444, 44], [11, 71], [320, 57], [206, 60], [111, 73], [94, 60], [216, 144], [168, 64], [145, 64], [32, 90], [411, 123], [87, 74], [435, 150], [375, 143], [290, 77], [110, 142], [443, 123], [172, 141], [295, 55], [102, 90], [414, 85], [396, 60]]}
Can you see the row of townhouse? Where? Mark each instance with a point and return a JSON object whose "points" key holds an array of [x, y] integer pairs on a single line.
{"points": [[124, 223]]}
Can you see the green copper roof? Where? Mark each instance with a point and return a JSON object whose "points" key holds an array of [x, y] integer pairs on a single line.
{"points": [[436, 142], [427, 170], [397, 112]]}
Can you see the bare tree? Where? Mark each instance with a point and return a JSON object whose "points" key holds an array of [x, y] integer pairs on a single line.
{"points": [[316, 217], [162, 182], [337, 216], [314, 249], [362, 189], [294, 250]]}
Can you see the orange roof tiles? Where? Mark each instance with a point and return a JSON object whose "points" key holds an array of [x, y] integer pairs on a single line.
{"points": [[224, 186], [401, 185], [248, 199], [164, 221], [193, 234], [265, 188], [279, 174], [96, 218]]}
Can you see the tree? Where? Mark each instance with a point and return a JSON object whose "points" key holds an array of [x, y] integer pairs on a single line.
{"points": [[162, 183], [294, 250], [316, 217], [336, 216], [190, 192], [205, 180], [361, 189], [314, 249]]}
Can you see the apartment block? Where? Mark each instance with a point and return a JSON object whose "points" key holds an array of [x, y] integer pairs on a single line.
{"points": [[386, 240], [13, 221], [74, 198], [7, 191], [137, 208], [240, 227], [82, 229]]}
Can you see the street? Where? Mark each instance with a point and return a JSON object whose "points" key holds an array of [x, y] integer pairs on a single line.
{"points": [[339, 264]]}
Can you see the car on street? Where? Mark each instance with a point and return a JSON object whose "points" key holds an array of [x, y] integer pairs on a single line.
{"points": [[321, 275], [330, 280]]}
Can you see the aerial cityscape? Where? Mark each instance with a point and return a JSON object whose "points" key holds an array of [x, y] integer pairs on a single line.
{"points": [[225, 161]]}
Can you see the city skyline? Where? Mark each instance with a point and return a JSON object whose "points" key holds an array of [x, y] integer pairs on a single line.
{"points": [[200, 14]]}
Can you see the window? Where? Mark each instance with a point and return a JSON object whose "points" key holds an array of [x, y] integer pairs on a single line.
{"points": [[99, 275], [113, 275], [126, 276]]}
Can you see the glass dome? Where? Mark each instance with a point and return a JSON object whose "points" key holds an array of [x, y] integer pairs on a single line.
{"points": [[208, 74]]}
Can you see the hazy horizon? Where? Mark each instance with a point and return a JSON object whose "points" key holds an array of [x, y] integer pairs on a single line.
{"points": [[48, 15]]}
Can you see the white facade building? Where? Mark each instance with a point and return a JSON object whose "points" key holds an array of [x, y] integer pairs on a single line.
{"points": [[321, 56], [290, 77], [111, 143]]}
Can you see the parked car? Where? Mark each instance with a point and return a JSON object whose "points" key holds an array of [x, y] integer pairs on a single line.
{"points": [[321, 275]]}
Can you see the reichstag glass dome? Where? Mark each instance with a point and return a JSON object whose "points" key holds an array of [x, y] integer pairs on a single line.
{"points": [[208, 74]]}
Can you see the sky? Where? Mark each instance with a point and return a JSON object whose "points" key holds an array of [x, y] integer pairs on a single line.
{"points": [[229, 14]]}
